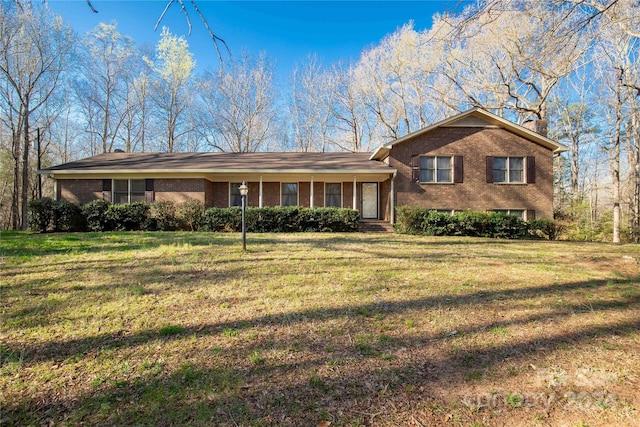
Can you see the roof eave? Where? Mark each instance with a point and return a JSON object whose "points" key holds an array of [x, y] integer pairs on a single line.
{"points": [[178, 172]]}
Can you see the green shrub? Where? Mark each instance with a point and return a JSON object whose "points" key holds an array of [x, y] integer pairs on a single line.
{"points": [[164, 215], [508, 226], [40, 214], [127, 217], [437, 223], [95, 215], [67, 216], [544, 229], [472, 223], [281, 219], [191, 214], [414, 220], [409, 220], [222, 219]]}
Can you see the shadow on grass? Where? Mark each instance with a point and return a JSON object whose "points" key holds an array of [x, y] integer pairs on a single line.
{"points": [[267, 392], [61, 350], [228, 395]]}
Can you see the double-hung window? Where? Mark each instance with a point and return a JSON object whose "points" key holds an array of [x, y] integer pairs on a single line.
{"points": [[333, 194], [508, 169], [436, 169], [128, 190], [289, 194]]}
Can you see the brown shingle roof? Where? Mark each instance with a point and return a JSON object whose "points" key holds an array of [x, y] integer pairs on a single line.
{"points": [[225, 162]]}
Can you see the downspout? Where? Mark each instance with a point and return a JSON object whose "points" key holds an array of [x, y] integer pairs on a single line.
{"points": [[260, 198]]}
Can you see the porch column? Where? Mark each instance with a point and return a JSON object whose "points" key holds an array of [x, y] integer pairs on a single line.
{"points": [[260, 197], [355, 199], [392, 200], [311, 194]]}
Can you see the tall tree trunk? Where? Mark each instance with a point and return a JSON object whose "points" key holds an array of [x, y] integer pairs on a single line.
{"points": [[15, 199], [635, 175], [615, 171], [25, 168], [575, 167]]}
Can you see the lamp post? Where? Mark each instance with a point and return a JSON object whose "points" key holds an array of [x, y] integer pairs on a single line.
{"points": [[244, 190]]}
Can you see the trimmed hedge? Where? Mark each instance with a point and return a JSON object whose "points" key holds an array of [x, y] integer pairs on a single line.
{"points": [[281, 219], [414, 220], [98, 215], [46, 214]]}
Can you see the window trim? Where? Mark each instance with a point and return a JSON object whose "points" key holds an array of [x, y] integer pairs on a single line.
{"points": [[297, 184], [525, 170], [435, 169], [325, 193]]}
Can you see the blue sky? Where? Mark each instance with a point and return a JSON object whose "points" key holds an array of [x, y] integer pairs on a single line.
{"points": [[287, 31]]}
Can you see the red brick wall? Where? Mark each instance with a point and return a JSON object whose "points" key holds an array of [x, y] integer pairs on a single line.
{"points": [[318, 194], [304, 194], [220, 194], [179, 190], [79, 191], [209, 194], [384, 188], [474, 144], [270, 194]]}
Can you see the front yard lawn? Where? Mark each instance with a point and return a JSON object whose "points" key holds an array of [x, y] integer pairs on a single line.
{"points": [[310, 329]]}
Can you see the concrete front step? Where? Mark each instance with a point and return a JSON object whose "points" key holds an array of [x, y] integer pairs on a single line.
{"points": [[372, 226]]}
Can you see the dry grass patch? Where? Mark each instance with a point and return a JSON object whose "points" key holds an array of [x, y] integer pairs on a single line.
{"points": [[352, 329]]}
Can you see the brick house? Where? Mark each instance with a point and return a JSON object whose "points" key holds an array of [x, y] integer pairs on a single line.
{"points": [[474, 160]]}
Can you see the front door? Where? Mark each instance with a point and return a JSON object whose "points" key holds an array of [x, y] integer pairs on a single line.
{"points": [[369, 200]]}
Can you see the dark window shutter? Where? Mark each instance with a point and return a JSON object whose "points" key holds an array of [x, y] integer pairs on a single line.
{"points": [[458, 170], [148, 193], [106, 190], [531, 214], [415, 168], [490, 169], [531, 170]]}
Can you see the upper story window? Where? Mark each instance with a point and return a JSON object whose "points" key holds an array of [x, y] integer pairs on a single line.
{"points": [[437, 169], [289, 194], [128, 190], [508, 169], [511, 170]]}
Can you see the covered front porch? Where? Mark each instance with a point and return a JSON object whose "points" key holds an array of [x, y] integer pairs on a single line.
{"points": [[369, 194]]}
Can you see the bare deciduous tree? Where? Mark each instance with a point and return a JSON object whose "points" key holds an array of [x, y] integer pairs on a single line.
{"points": [[172, 66], [106, 60], [240, 105], [35, 48], [310, 105]]}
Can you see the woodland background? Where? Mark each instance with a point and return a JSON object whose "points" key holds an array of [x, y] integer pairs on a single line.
{"points": [[573, 63]]}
